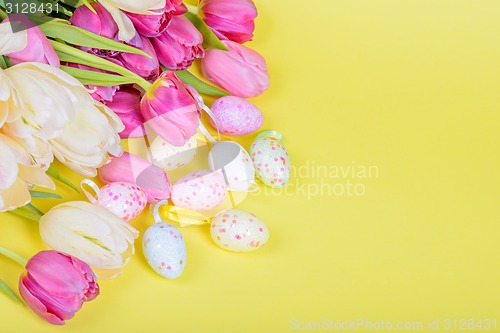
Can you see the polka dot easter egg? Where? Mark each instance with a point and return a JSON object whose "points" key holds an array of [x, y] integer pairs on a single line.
{"points": [[236, 116], [170, 157], [200, 190], [270, 159], [123, 199], [238, 231], [164, 250]]}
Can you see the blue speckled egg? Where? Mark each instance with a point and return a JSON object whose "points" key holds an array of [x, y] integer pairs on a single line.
{"points": [[165, 250]]}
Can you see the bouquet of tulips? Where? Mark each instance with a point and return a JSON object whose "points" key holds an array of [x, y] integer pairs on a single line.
{"points": [[78, 77]]}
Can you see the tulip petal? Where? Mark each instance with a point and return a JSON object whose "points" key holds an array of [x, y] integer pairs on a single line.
{"points": [[38, 307], [65, 285], [12, 41], [8, 166]]}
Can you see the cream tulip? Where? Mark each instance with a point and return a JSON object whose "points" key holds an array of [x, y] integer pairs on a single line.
{"points": [[18, 172], [90, 233], [43, 100], [85, 144]]}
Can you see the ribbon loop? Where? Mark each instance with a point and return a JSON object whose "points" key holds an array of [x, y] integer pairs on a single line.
{"points": [[92, 198]]}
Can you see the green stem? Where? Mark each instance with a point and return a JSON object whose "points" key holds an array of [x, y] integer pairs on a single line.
{"points": [[193, 9], [13, 256], [3, 15], [101, 62], [26, 214]]}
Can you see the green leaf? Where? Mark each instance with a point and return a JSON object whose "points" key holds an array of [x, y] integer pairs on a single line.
{"points": [[210, 40], [44, 195], [26, 214], [3, 63], [34, 209], [78, 36], [7, 291], [96, 78], [199, 85], [57, 176], [70, 54]]}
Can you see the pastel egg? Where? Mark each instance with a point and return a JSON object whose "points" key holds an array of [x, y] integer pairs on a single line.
{"points": [[270, 159], [238, 231], [200, 190], [164, 250], [123, 199], [170, 157], [236, 116]]}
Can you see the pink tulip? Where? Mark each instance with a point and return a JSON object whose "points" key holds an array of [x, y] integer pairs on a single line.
{"points": [[55, 285], [136, 170], [171, 110], [154, 25], [126, 105], [230, 19], [241, 71], [179, 45], [38, 48], [148, 68], [101, 24]]}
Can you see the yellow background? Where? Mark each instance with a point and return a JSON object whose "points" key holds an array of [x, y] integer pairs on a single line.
{"points": [[408, 86]]}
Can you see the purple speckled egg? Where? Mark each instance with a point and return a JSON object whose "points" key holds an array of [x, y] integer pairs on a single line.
{"points": [[236, 116]]}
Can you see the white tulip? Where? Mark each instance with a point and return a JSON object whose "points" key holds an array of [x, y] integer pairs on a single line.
{"points": [[85, 143], [51, 113], [17, 173], [90, 233], [43, 100]]}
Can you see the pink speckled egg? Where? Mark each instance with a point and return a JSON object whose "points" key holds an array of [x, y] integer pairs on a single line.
{"points": [[236, 116], [123, 199], [200, 190]]}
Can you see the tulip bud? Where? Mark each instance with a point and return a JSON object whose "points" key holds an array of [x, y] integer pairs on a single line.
{"points": [[179, 45], [90, 233], [241, 71], [101, 24], [56, 285], [171, 110], [38, 48], [126, 105], [147, 68], [230, 19], [133, 169]]}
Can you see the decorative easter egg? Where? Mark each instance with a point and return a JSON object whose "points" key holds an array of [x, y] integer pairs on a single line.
{"points": [[236, 164], [170, 157], [164, 250], [236, 116], [271, 160], [200, 190], [123, 199], [239, 231]]}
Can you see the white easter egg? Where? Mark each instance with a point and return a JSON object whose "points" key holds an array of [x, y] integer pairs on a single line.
{"points": [[164, 250], [123, 199], [271, 161], [200, 190], [236, 116], [239, 231], [235, 163], [170, 157]]}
